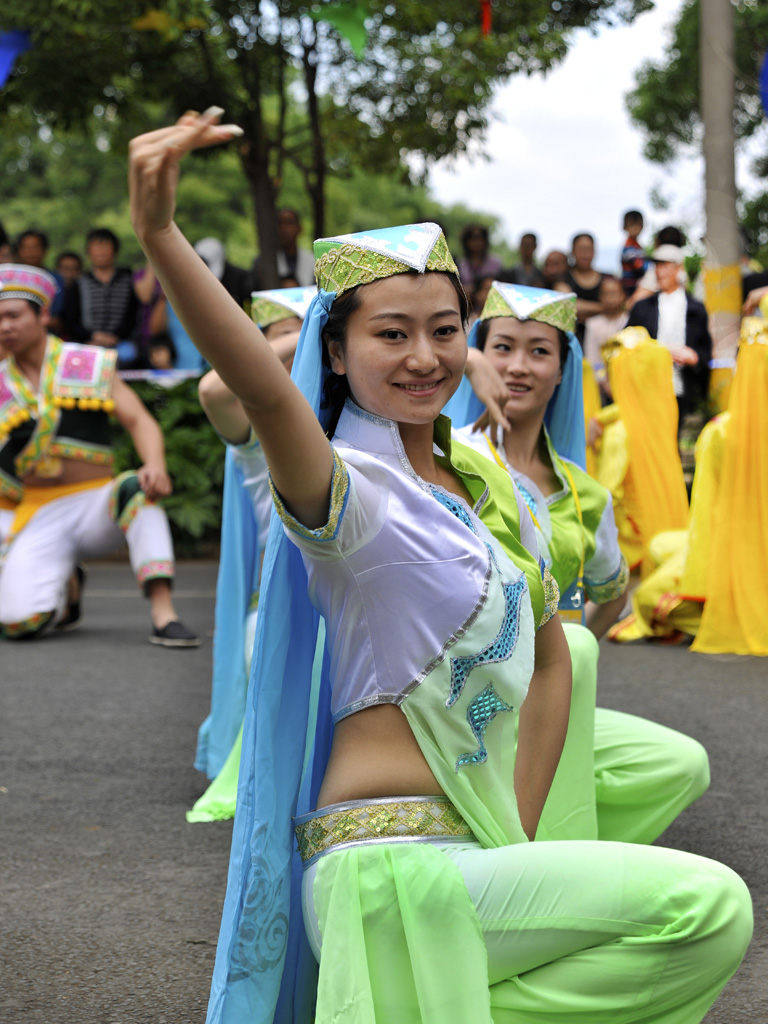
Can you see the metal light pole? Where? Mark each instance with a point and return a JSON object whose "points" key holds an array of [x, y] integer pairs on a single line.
{"points": [[722, 276]]}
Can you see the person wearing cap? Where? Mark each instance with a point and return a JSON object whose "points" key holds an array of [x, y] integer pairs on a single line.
{"points": [[620, 777], [245, 517], [56, 399], [679, 323], [710, 580], [423, 899]]}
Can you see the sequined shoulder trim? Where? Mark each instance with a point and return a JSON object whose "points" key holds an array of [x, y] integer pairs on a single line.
{"points": [[551, 595], [614, 586], [339, 496]]}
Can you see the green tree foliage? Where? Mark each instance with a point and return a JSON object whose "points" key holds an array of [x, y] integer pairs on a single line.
{"points": [[665, 104], [63, 183], [289, 78]]}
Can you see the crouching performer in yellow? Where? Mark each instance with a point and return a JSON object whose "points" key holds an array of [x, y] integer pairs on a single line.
{"points": [[638, 459], [709, 580], [56, 463]]}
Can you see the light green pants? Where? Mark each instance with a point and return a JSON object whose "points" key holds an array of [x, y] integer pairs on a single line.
{"points": [[620, 777], [575, 933]]}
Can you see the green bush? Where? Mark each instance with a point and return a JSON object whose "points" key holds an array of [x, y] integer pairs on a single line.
{"points": [[195, 457]]}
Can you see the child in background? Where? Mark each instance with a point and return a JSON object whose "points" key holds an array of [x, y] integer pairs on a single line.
{"points": [[633, 261], [600, 328], [161, 354]]}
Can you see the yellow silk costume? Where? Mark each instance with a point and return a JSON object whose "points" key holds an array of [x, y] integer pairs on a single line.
{"points": [[735, 616], [711, 579], [638, 460], [670, 600]]}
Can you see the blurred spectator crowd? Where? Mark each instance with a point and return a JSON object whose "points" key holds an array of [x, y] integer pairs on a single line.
{"points": [[103, 302]]}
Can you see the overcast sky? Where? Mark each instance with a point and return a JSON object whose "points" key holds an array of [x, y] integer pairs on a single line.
{"points": [[564, 156]]}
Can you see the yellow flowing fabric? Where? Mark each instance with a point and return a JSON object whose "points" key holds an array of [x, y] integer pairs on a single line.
{"points": [[592, 407], [705, 496], [670, 599], [735, 617], [641, 380]]}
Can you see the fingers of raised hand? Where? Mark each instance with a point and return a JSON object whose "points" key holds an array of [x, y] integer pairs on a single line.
{"points": [[191, 131]]}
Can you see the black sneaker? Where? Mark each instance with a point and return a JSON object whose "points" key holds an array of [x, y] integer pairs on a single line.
{"points": [[175, 634], [74, 615]]}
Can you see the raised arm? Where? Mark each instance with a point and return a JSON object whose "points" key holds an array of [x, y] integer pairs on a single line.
{"points": [[223, 409], [297, 451]]}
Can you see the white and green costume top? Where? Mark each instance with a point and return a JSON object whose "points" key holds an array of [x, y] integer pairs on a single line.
{"points": [[579, 542], [577, 531]]}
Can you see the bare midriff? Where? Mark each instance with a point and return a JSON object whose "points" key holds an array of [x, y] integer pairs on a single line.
{"points": [[72, 472], [375, 754]]}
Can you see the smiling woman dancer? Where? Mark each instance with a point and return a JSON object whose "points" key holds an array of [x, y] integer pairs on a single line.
{"points": [[415, 904], [620, 777]]}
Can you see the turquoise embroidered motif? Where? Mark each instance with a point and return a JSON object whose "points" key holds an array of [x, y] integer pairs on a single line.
{"points": [[480, 714], [499, 649], [528, 498], [454, 507]]}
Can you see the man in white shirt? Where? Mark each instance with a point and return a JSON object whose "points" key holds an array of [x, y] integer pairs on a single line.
{"points": [[679, 322]]}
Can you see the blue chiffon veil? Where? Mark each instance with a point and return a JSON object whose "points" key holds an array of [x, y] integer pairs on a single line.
{"points": [[264, 969], [237, 580]]}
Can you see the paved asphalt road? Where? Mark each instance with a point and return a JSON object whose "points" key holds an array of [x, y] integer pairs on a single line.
{"points": [[110, 901]]}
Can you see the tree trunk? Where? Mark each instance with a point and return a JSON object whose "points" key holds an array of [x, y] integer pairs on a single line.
{"points": [[315, 175], [256, 166], [722, 277]]}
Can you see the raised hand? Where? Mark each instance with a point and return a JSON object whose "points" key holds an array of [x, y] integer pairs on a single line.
{"points": [[154, 160]]}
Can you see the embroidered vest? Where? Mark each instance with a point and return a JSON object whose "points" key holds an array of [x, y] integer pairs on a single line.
{"points": [[68, 418]]}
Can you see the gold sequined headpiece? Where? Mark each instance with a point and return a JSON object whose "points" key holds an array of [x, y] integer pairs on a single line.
{"points": [[754, 331], [276, 304], [345, 261], [558, 309]]}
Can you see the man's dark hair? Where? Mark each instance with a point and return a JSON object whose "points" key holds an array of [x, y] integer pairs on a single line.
{"points": [[103, 235], [582, 234], [33, 233], [530, 234], [35, 306], [472, 229], [671, 235], [290, 209], [69, 256]]}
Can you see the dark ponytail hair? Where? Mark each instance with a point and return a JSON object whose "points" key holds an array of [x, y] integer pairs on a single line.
{"points": [[336, 386]]}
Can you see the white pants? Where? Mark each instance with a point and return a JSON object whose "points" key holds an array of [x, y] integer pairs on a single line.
{"points": [[6, 518], [40, 560]]}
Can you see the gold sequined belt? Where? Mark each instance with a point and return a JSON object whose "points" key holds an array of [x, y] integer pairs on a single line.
{"points": [[411, 819]]}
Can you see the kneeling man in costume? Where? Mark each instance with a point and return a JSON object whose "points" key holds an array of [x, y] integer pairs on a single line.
{"points": [[56, 468]]}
